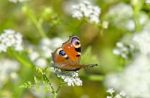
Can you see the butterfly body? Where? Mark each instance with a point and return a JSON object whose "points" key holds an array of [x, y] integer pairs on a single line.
{"points": [[67, 57]]}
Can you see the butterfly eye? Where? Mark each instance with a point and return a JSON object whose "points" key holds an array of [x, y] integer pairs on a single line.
{"points": [[76, 43], [62, 53]]}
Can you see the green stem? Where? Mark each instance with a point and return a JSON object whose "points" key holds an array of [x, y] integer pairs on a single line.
{"points": [[38, 25], [136, 10], [96, 77], [19, 58], [55, 95]]}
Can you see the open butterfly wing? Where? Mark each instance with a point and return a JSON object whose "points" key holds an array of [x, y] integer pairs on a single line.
{"points": [[73, 49], [67, 57]]}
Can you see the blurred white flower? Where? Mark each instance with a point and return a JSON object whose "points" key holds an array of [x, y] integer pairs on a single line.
{"points": [[109, 97], [114, 94], [143, 19], [56, 42], [142, 40], [118, 96], [45, 46], [122, 10], [7, 69], [41, 62], [134, 80], [147, 1], [121, 16], [147, 26], [105, 24], [10, 38], [34, 55], [110, 91], [123, 50], [87, 10], [16, 1], [40, 54], [14, 76], [71, 77], [40, 91], [130, 25], [122, 93]]}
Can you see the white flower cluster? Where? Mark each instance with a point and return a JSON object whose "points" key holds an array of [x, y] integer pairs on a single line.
{"points": [[86, 10], [10, 38], [40, 91], [42, 53], [147, 1], [122, 10], [16, 1], [8, 69], [121, 16], [136, 74], [113, 94], [142, 40], [123, 50], [71, 77], [37, 57]]}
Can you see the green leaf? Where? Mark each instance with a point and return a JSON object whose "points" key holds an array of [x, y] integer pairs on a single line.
{"points": [[26, 85]]}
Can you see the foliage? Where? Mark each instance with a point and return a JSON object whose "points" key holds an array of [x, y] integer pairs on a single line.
{"points": [[115, 35]]}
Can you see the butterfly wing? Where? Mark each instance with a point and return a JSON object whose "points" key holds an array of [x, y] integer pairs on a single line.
{"points": [[60, 58], [67, 57], [73, 49]]}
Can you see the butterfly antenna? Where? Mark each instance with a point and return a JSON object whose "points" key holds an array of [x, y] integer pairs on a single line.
{"points": [[89, 66], [92, 65]]}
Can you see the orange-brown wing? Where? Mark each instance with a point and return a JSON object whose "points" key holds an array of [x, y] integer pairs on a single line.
{"points": [[67, 57], [61, 60], [59, 57], [73, 49]]}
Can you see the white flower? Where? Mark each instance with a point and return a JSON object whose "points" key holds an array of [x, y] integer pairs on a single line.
{"points": [[122, 10], [147, 1], [105, 24], [134, 80], [45, 46], [37, 57], [118, 96], [10, 38], [123, 50], [40, 54], [109, 97], [71, 77], [111, 91], [142, 40], [14, 76], [130, 25], [121, 16], [87, 10], [114, 94], [56, 42], [41, 62], [122, 93], [16, 1], [40, 91], [34, 55], [7, 69]]}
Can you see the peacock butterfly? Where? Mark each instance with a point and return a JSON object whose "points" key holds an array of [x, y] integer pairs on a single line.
{"points": [[67, 57]]}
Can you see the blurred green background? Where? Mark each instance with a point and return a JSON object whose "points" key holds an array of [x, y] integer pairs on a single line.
{"points": [[39, 19]]}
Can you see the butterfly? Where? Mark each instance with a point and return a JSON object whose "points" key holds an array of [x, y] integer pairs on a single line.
{"points": [[67, 57]]}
